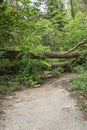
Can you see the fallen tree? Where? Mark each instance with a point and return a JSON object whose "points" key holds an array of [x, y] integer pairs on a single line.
{"points": [[9, 54], [13, 54], [17, 54]]}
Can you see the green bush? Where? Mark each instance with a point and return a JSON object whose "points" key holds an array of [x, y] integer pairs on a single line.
{"points": [[79, 69], [8, 84], [80, 83], [57, 71]]}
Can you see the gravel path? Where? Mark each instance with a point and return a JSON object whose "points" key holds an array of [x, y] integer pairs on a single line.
{"points": [[49, 107]]}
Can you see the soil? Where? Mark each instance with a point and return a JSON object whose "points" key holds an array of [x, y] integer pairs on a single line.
{"points": [[44, 107]]}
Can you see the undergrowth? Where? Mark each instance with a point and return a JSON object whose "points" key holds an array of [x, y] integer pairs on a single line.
{"points": [[79, 83], [25, 73]]}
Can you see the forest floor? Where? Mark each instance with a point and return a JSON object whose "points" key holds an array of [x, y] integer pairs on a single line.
{"points": [[47, 107]]}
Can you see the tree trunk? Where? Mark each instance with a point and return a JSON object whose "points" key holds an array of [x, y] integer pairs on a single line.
{"points": [[72, 9], [61, 54], [18, 54]]}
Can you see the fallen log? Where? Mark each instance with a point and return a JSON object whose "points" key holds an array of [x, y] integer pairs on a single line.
{"points": [[19, 54], [61, 54], [60, 64], [12, 54]]}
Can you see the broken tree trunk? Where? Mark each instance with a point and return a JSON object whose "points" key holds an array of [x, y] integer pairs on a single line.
{"points": [[18, 54], [61, 55]]}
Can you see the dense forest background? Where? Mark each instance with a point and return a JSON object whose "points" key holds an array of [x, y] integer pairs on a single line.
{"points": [[41, 37]]}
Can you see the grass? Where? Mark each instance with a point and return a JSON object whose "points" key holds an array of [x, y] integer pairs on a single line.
{"points": [[79, 84], [84, 108], [8, 84]]}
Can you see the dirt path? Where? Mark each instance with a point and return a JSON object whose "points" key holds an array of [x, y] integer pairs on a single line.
{"points": [[49, 107]]}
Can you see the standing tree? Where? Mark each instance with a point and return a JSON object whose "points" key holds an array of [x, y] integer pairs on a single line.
{"points": [[72, 8]]}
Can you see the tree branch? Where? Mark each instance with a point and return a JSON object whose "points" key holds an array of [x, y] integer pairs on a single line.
{"points": [[84, 41]]}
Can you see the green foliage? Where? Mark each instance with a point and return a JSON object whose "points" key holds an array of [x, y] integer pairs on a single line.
{"points": [[9, 26], [74, 31], [17, 26], [57, 71], [26, 73], [80, 84], [79, 69], [84, 107], [31, 71], [8, 84], [56, 13]]}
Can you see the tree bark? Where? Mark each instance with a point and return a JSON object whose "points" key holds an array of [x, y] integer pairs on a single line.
{"points": [[61, 54]]}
